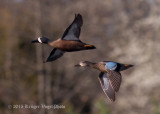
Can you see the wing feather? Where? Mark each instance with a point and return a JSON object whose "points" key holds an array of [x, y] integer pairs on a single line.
{"points": [[55, 54], [73, 31], [106, 86], [115, 79]]}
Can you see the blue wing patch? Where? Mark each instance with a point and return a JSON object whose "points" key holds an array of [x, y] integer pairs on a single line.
{"points": [[111, 65]]}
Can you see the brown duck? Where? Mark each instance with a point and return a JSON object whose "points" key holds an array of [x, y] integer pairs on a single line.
{"points": [[110, 76], [68, 43]]}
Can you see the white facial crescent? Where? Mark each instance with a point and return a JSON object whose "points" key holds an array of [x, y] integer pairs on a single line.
{"points": [[39, 39]]}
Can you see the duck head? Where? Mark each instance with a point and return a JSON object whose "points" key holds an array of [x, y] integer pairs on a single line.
{"points": [[41, 40]]}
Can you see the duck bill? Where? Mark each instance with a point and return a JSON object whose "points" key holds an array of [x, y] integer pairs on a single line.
{"points": [[35, 41], [78, 65]]}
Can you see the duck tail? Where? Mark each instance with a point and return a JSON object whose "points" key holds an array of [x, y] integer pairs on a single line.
{"points": [[125, 66], [87, 46]]}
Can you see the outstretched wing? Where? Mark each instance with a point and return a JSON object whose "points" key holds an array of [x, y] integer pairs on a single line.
{"points": [[115, 79], [73, 31], [55, 54], [106, 86]]}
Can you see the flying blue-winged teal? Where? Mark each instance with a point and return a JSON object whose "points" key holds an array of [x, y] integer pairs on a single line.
{"points": [[110, 77], [68, 43]]}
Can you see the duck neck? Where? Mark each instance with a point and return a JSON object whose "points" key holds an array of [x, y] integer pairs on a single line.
{"points": [[54, 43], [99, 66], [90, 64]]}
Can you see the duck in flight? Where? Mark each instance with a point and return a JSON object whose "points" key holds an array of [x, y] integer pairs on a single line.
{"points": [[69, 42], [110, 76]]}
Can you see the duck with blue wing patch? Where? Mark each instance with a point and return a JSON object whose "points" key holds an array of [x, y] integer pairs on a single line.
{"points": [[69, 42], [110, 77]]}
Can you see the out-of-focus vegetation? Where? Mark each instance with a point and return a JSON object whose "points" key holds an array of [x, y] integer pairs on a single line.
{"points": [[126, 31], [156, 107]]}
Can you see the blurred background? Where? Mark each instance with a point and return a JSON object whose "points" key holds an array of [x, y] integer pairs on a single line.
{"points": [[126, 31]]}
